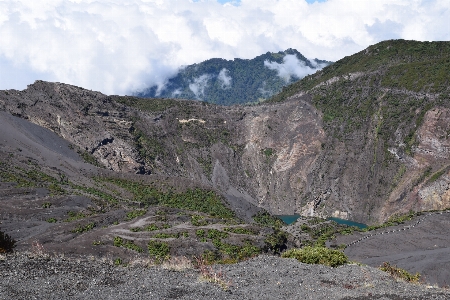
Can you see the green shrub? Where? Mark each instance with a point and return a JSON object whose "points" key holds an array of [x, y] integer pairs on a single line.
{"points": [[46, 205], [95, 192], [276, 242], [248, 250], [120, 242], [51, 220], [234, 253], [118, 261], [56, 189], [265, 219], [197, 220], [216, 234], [158, 250], [200, 233], [399, 273], [135, 213], [268, 152], [73, 216], [317, 255], [81, 228], [163, 235], [193, 199], [305, 227], [436, 175], [393, 221], [89, 158], [152, 227], [211, 257], [315, 221], [7, 243]]}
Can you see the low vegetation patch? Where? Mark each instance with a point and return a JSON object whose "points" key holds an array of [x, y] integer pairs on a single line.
{"points": [[158, 250], [193, 199], [33, 178], [399, 273], [95, 192], [120, 242], [276, 242], [135, 213], [46, 205], [436, 176], [317, 255], [151, 227], [394, 220], [229, 253], [7, 243], [73, 216], [265, 219], [198, 220], [89, 158], [200, 233], [163, 235], [85, 228], [216, 234]]}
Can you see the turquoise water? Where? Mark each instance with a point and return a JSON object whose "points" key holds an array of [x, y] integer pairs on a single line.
{"points": [[289, 219], [348, 223]]}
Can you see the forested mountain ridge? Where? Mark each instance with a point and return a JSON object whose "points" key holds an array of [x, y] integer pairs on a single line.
{"points": [[237, 81]]}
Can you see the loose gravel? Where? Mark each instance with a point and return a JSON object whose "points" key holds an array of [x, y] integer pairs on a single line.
{"points": [[24, 276]]}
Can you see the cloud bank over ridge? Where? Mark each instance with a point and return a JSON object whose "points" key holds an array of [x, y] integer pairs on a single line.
{"points": [[120, 46], [292, 66]]}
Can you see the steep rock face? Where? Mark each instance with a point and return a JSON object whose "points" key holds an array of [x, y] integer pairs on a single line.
{"points": [[89, 120], [357, 140], [428, 179], [281, 157], [257, 156], [382, 146], [283, 142]]}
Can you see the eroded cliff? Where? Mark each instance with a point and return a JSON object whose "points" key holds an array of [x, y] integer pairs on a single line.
{"points": [[355, 140]]}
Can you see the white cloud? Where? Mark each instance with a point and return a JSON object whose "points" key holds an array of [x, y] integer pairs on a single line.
{"points": [[119, 46], [292, 66], [199, 85], [225, 78], [176, 93]]}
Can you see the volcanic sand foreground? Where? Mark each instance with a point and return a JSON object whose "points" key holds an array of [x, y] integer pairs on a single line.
{"points": [[419, 245]]}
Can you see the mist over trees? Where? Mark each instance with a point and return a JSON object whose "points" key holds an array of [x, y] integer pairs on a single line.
{"points": [[238, 81]]}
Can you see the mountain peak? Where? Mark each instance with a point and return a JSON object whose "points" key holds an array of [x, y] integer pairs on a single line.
{"points": [[238, 81]]}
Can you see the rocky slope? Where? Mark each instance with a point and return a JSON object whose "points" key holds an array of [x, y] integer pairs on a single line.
{"points": [[91, 174], [265, 277], [357, 140]]}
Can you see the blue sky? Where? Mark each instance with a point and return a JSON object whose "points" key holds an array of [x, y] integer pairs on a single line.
{"points": [[226, 1], [121, 46]]}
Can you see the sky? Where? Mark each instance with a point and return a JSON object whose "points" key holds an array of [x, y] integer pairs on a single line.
{"points": [[120, 46]]}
